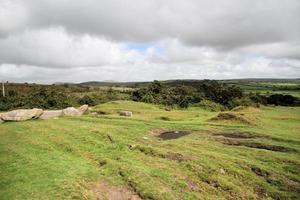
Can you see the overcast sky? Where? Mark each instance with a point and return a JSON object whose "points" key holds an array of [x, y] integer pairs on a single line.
{"points": [[50, 41]]}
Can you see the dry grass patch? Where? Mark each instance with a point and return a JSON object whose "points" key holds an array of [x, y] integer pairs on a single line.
{"points": [[231, 116]]}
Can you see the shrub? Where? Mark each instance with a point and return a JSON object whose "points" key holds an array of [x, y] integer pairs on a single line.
{"points": [[283, 100], [244, 101], [210, 105], [220, 93], [87, 100]]}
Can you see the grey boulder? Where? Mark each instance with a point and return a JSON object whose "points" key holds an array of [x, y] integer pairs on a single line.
{"points": [[71, 111], [22, 114], [125, 113], [83, 108], [49, 114]]}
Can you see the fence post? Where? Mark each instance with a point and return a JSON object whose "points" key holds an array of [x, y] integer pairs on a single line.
{"points": [[3, 89]]}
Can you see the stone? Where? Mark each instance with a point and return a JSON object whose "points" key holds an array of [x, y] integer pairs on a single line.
{"points": [[49, 114], [222, 171], [125, 113], [71, 111], [22, 114], [83, 108]]}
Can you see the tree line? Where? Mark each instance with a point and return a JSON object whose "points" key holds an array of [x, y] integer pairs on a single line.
{"points": [[227, 95], [207, 92]]}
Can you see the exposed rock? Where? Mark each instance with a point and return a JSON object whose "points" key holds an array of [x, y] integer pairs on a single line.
{"points": [[168, 108], [49, 114], [222, 171], [125, 113], [83, 108], [71, 111], [22, 114]]}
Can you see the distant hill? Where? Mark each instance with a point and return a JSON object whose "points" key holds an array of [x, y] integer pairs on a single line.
{"points": [[189, 82], [113, 84]]}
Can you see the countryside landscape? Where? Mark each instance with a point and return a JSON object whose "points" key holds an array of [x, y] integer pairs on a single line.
{"points": [[242, 149], [149, 100]]}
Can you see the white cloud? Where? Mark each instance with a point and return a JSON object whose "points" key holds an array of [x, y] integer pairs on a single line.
{"points": [[53, 47]]}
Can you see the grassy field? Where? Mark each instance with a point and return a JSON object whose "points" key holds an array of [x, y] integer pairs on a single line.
{"points": [[291, 87], [91, 156]]}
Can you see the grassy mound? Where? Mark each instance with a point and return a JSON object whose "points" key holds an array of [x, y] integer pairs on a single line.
{"points": [[231, 116]]}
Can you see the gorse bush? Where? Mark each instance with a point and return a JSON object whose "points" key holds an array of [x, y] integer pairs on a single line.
{"points": [[48, 99], [210, 105], [158, 93], [86, 99], [220, 93], [55, 97], [204, 94], [282, 100], [183, 96], [37, 98]]}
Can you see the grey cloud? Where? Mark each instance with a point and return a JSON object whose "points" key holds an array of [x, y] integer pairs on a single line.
{"points": [[67, 40], [219, 23]]}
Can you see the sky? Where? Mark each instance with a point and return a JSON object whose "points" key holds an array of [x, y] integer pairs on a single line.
{"points": [[47, 41]]}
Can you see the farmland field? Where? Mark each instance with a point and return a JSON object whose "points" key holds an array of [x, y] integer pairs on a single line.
{"points": [[102, 154], [267, 87]]}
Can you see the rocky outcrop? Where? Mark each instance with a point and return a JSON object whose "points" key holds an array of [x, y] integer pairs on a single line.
{"points": [[22, 114], [125, 113], [83, 108], [49, 114], [26, 114], [71, 111]]}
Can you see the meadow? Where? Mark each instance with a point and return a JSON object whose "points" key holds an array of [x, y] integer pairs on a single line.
{"points": [[269, 86], [101, 155]]}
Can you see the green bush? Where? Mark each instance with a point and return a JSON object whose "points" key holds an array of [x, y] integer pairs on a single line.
{"points": [[244, 101], [210, 105], [157, 93], [91, 101]]}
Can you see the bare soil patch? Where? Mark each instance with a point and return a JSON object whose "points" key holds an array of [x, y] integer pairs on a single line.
{"points": [[168, 155], [104, 191], [236, 134], [238, 142]]}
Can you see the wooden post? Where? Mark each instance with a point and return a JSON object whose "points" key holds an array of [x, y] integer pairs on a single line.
{"points": [[3, 89]]}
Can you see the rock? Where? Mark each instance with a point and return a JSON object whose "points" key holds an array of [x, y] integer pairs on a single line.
{"points": [[132, 146], [49, 114], [222, 171], [71, 111], [168, 109], [83, 108], [22, 114], [125, 113]]}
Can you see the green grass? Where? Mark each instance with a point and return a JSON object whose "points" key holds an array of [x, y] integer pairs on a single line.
{"points": [[59, 158], [270, 87]]}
